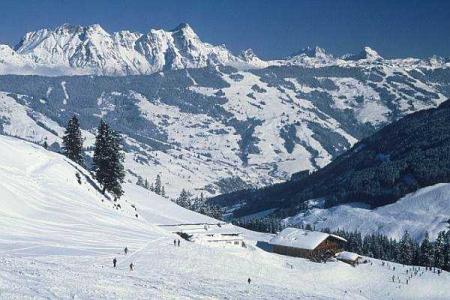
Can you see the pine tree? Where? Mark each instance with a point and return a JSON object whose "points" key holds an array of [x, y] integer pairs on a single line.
{"points": [[184, 199], [439, 250], [157, 188], [426, 252], [447, 251], [108, 160], [406, 250], [73, 141]]}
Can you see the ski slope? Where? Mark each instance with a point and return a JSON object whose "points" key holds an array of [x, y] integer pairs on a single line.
{"points": [[58, 238], [427, 209]]}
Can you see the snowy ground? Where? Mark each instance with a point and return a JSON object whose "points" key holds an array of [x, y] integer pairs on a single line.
{"points": [[427, 209], [58, 238]]}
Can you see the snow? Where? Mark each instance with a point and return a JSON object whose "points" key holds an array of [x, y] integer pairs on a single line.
{"points": [[427, 209], [66, 95], [350, 256], [58, 238], [19, 121], [299, 238]]}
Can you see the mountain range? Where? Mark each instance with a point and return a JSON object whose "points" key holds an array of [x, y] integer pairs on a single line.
{"points": [[71, 50]]}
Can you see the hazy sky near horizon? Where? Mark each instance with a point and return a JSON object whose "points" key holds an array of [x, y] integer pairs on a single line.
{"points": [[273, 29]]}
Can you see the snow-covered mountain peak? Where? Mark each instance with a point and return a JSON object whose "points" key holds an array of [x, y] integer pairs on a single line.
{"points": [[184, 27], [312, 52], [248, 54], [311, 57], [366, 53]]}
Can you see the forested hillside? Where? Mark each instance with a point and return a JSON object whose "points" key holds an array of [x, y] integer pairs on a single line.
{"points": [[402, 157]]}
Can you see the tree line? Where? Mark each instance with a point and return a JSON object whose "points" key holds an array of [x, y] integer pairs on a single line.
{"points": [[108, 155], [405, 251]]}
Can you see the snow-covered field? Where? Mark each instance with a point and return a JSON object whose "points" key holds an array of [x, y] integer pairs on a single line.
{"points": [[427, 209], [58, 238]]}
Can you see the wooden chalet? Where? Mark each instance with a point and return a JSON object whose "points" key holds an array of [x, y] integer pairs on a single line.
{"points": [[314, 245]]}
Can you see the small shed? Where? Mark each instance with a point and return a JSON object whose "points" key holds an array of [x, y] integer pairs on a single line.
{"points": [[315, 245], [349, 257]]}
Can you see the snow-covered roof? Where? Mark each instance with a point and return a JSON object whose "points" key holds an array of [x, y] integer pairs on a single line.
{"points": [[204, 228], [345, 255], [300, 238]]}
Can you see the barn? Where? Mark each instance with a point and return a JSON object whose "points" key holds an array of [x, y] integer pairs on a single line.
{"points": [[314, 245]]}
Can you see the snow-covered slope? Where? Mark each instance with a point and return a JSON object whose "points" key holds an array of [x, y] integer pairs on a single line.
{"points": [[71, 49], [427, 209], [58, 238]]}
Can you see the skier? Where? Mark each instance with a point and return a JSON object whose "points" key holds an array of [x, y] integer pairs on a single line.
{"points": [[125, 250], [178, 243], [249, 280], [114, 262], [131, 267], [175, 242]]}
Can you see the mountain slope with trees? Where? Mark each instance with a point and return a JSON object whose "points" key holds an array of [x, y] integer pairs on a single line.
{"points": [[400, 158]]}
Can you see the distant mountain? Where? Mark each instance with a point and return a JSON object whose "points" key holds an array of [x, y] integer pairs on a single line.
{"points": [[77, 50], [92, 50], [398, 159], [366, 53]]}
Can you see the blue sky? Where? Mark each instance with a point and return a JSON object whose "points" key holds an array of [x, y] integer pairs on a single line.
{"points": [[273, 29]]}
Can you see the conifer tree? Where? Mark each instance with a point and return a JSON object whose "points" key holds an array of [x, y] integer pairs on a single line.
{"points": [[108, 160], [157, 188], [73, 141], [426, 252], [184, 199], [447, 251], [439, 250], [406, 249]]}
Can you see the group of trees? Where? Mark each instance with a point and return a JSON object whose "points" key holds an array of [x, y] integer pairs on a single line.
{"points": [[405, 251], [268, 224], [198, 204], [157, 187], [108, 156]]}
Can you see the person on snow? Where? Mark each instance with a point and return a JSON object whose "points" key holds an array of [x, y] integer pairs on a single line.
{"points": [[114, 262], [125, 250], [178, 243], [131, 267], [249, 280], [175, 243]]}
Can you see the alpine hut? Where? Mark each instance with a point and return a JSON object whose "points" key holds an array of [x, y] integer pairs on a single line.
{"points": [[315, 245]]}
